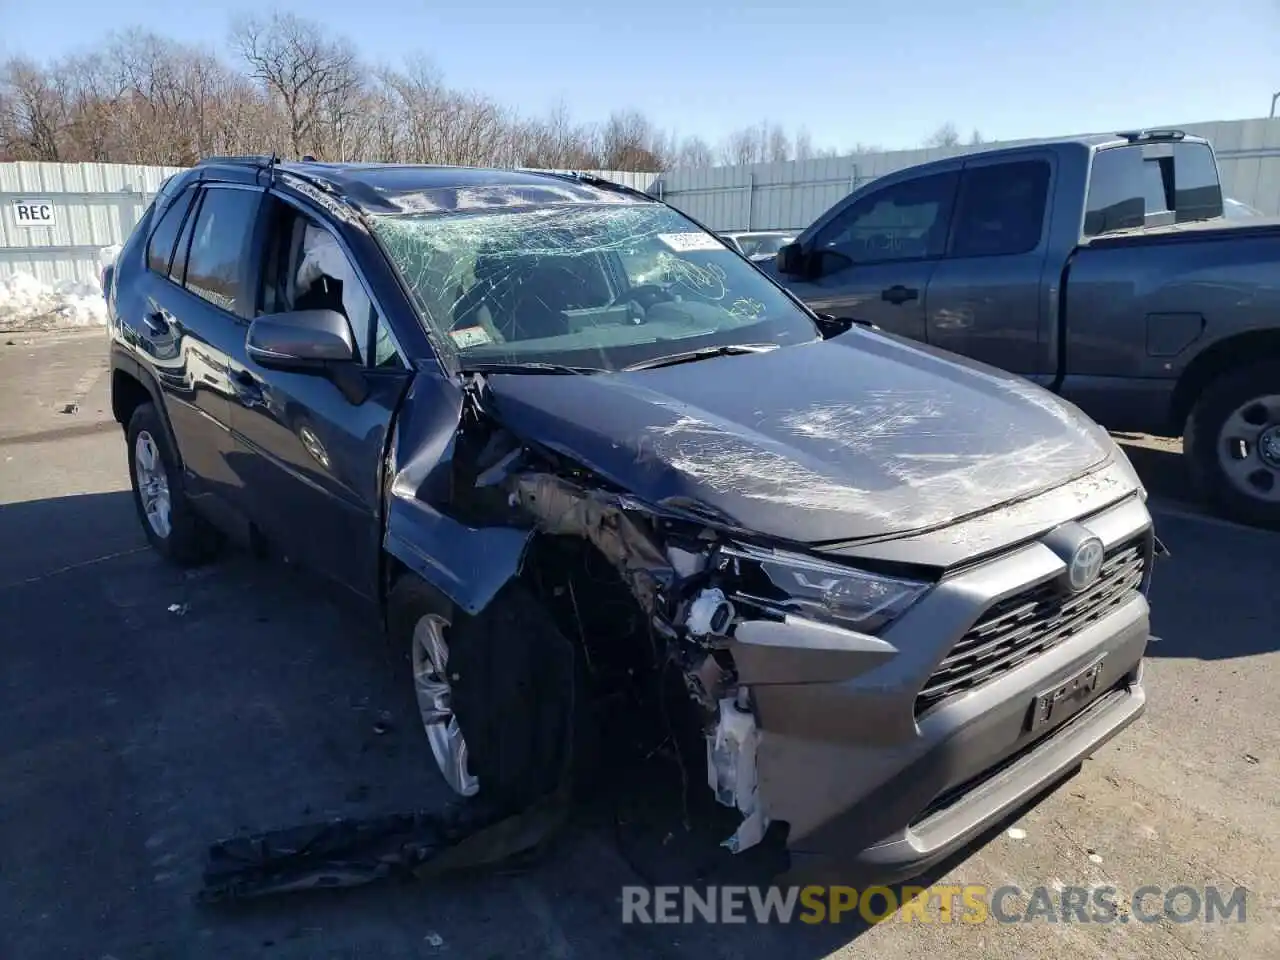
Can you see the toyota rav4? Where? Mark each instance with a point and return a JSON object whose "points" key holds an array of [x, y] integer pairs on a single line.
{"points": [[902, 592]]}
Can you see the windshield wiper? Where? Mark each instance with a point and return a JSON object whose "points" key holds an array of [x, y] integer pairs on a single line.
{"points": [[724, 350], [528, 366]]}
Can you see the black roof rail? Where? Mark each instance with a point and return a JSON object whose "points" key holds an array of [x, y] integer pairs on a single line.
{"points": [[265, 162], [591, 180], [1134, 136], [248, 160]]}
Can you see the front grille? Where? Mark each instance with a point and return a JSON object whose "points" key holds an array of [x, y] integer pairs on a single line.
{"points": [[1027, 624]]}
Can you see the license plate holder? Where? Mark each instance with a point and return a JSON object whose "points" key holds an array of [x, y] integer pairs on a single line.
{"points": [[1060, 701]]}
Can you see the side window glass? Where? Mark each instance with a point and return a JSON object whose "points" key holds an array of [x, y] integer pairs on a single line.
{"points": [[1123, 188], [165, 235], [385, 356], [906, 221], [178, 270], [324, 279], [216, 262], [1001, 209], [1197, 192]]}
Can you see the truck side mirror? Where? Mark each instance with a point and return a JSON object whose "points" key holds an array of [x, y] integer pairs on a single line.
{"points": [[790, 259]]}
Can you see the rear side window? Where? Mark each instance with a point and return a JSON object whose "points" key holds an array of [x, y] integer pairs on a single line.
{"points": [[165, 235], [1130, 184], [904, 221], [216, 262], [1001, 209], [1196, 190]]}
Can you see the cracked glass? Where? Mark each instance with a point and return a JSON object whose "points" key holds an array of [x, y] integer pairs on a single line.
{"points": [[596, 285]]}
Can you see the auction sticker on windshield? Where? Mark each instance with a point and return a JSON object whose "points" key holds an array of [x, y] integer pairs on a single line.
{"points": [[470, 337], [687, 242]]}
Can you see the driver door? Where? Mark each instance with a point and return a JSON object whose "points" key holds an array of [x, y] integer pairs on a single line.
{"points": [[310, 445], [876, 255]]}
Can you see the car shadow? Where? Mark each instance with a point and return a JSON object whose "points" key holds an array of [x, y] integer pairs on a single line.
{"points": [[172, 708], [1160, 464], [159, 710]]}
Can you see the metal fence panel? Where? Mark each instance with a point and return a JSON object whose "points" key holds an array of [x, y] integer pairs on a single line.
{"points": [[791, 195], [93, 205], [96, 204]]}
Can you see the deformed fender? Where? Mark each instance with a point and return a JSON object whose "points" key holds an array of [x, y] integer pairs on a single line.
{"points": [[467, 563]]}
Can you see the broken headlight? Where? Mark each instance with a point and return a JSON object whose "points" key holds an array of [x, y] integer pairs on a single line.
{"points": [[806, 586]]}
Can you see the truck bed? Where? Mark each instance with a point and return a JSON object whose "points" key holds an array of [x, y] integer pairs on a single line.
{"points": [[1195, 231]]}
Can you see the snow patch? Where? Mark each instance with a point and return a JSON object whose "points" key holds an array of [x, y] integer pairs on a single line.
{"points": [[29, 303]]}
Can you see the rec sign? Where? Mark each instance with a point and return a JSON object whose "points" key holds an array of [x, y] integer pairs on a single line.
{"points": [[33, 213]]}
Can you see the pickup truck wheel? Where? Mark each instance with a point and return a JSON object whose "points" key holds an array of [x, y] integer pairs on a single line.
{"points": [[172, 527], [1232, 442], [496, 691]]}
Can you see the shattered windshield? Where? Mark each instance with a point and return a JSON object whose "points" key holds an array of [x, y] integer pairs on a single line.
{"points": [[594, 285]]}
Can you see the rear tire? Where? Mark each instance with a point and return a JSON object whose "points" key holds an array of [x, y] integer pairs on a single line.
{"points": [[512, 692], [172, 527], [1232, 444]]}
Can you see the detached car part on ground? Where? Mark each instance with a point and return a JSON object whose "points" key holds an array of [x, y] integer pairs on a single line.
{"points": [[901, 593]]}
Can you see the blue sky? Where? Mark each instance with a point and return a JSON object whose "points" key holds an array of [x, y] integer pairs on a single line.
{"points": [[871, 71]]}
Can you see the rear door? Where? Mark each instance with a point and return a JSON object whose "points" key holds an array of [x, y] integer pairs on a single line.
{"points": [[191, 319], [876, 256], [988, 295], [310, 446]]}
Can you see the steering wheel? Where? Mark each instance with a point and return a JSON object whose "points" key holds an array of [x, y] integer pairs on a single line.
{"points": [[645, 294]]}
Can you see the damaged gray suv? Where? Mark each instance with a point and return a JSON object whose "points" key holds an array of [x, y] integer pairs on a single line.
{"points": [[549, 427]]}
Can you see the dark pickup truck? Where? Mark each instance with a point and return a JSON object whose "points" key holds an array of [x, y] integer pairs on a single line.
{"points": [[1101, 267]]}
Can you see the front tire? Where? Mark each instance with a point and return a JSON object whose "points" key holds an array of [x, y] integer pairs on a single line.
{"points": [[496, 691], [172, 527], [1232, 444]]}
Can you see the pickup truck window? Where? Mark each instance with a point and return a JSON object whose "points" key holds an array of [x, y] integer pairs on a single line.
{"points": [[1126, 187], [163, 239], [1001, 209], [215, 265], [904, 221]]}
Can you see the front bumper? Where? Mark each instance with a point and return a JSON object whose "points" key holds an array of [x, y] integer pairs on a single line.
{"points": [[874, 791]]}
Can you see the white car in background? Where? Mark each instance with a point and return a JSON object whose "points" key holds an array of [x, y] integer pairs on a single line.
{"points": [[758, 245]]}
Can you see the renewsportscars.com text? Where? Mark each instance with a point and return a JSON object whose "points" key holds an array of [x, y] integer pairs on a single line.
{"points": [[974, 903]]}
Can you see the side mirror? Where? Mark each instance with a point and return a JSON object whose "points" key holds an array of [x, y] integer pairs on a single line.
{"points": [[300, 340], [790, 259]]}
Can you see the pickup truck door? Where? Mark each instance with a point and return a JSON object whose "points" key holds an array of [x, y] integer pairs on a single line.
{"points": [[989, 296], [311, 444], [874, 256]]}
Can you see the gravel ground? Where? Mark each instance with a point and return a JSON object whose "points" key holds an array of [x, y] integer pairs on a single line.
{"points": [[132, 736]]}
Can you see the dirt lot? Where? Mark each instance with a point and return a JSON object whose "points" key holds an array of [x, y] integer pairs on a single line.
{"points": [[132, 735]]}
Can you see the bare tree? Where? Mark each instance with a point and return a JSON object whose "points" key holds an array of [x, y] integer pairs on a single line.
{"points": [[629, 141], [945, 136], [37, 111], [139, 97], [311, 74]]}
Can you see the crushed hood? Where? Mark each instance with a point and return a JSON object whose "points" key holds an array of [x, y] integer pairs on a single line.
{"points": [[861, 436]]}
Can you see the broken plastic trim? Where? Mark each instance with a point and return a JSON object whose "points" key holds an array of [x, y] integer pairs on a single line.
{"points": [[348, 852]]}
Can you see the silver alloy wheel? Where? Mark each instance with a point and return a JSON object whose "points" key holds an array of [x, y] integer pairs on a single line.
{"points": [[431, 684], [1249, 448], [153, 483]]}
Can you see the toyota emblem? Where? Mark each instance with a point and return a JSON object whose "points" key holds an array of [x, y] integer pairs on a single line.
{"points": [[1085, 565]]}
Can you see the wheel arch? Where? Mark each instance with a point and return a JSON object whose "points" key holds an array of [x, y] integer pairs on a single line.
{"points": [[131, 387], [1241, 350]]}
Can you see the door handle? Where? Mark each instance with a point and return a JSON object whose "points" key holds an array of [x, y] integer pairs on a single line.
{"points": [[898, 294], [248, 387]]}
